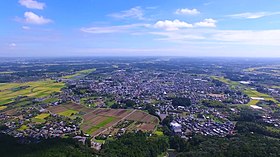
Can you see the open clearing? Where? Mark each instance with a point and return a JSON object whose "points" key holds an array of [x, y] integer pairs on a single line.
{"points": [[3, 107], [38, 89], [79, 73], [96, 121], [40, 118], [68, 113]]}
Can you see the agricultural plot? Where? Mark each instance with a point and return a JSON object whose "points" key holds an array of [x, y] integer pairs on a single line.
{"points": [[97, 121], [248, 91], [3, 107], [11, 91], [40, 118], [68, 113], [144, 117], [68, 110], [79, 74]]}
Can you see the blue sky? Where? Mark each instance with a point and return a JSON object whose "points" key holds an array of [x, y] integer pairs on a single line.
{"points": [[236, 28]]}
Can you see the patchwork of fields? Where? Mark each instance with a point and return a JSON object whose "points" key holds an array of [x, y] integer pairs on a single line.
{"points": [[252, 93], [11, 91], [96, 121]]}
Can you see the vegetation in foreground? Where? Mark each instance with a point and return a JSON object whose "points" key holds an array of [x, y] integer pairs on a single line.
{"points": [[9, 147]]}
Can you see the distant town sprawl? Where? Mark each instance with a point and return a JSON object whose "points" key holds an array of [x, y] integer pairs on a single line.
{"points": [[99, 99]]}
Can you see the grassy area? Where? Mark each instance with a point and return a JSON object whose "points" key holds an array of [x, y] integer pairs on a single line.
{"points": [[92, 130], [248, 91], [3, 107], [253, 102], [254, 93], [40, 118], [232, 84], [23, 127], [105, 122], [37, 89], [68, 113], [83, 72], [50, 100], [99, 141], [36, 120], [158, 133]]}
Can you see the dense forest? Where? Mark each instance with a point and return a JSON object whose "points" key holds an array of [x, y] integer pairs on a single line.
{"points": [[9, 147], [136, 145]]}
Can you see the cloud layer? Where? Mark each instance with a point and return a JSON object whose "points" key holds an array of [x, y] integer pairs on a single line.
{"points": [[255, 15], [32, 18], [187, 11], [136, 12], [32, 4]]}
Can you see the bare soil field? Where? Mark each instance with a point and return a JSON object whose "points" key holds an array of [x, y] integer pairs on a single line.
{"points": [[57, 109], [147, 127]]}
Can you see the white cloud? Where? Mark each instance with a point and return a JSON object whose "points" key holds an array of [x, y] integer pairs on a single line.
{"points": [[206, 23], [136, 12], [255, 15], [25, 27], [11, 45], [187, 11], [32, 18], [263, 37], [32, 4], [221, 37], [172, 25], [113, 29]]}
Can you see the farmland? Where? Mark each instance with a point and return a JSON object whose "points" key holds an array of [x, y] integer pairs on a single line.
{"points": [[98, 121], [11, 91], [40, 118], [79, 73], [252, 93], [3, 107]]}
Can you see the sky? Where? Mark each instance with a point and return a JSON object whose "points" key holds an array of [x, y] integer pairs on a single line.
{"points": [[193, 28]]}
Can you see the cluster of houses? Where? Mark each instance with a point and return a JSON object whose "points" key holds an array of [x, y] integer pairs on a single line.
{"points": [[143, 86], [22, 126], [205, 121], [272, 121]]}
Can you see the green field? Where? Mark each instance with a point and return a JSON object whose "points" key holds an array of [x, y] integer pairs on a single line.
{"points": [[253, 102], [83, 72], [159, 133], [3, 107], [22, 128], [100, 125], [254, 93], [105, 122], [99, 141], [232, 84], [92, 130], [40, 118], [68, 113], [38, 89], [248, 91]]}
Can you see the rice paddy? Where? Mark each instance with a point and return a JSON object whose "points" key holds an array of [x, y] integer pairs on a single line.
{"points": [[10, 92]]}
